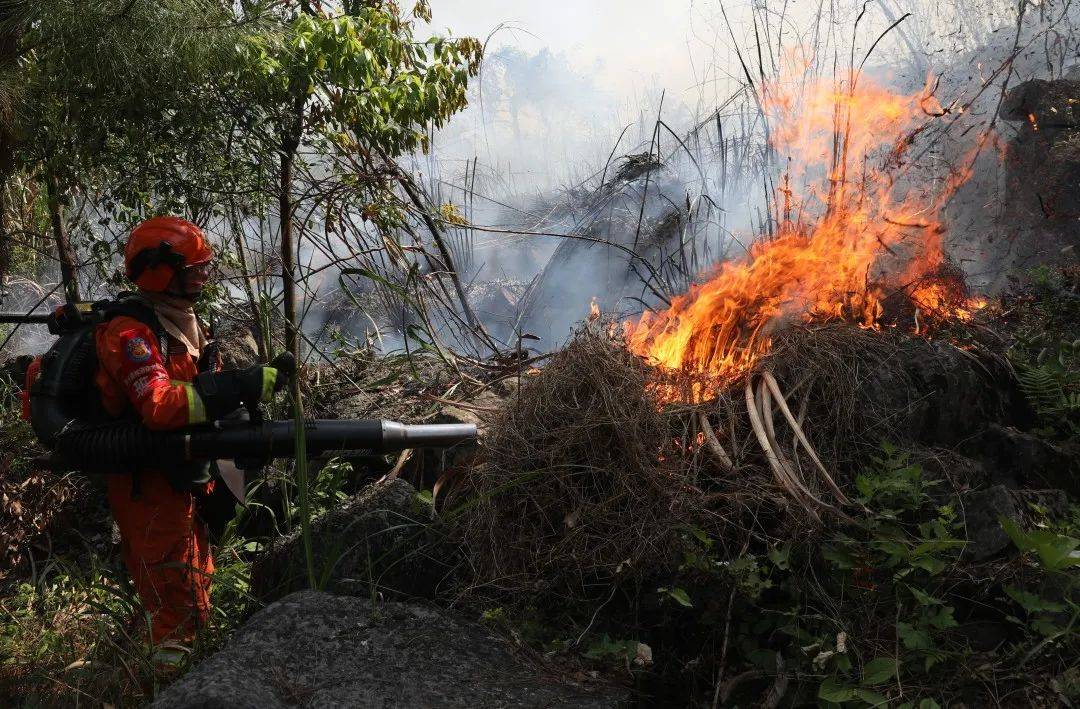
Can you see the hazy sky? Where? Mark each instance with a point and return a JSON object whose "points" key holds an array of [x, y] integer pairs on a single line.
{"points": [[615, 58], [642, 46], [634, 43]]}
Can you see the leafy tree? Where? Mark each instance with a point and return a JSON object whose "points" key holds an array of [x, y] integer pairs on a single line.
{"points": [[340, 78], [349, 78], [111, 88]]}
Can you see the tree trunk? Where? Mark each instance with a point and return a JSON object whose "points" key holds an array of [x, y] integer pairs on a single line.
{"points": [[288, 263], [289, 144], [5, 241], [288, 260], [68, 266], [237, 226], [9, 54]]}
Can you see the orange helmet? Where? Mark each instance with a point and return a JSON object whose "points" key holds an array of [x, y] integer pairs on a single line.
{"points": [[161, 247]]}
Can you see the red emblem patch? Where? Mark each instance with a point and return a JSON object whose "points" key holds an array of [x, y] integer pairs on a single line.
{"points": [[138, 350]]}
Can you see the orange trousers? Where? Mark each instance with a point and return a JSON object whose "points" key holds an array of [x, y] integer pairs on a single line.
{"points": [[166, 552]]}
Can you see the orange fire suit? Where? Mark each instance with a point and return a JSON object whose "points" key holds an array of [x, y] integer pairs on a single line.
{"points": [[164, 543]]}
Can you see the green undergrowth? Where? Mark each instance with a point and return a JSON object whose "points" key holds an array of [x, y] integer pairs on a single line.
{"points": [[73, 632], [883, 610], [72, 629], [1045, 349]]}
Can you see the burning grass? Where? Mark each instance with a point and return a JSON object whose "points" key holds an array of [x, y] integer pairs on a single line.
{"points": [[788, 553], [590, 475], [597, 463], [849, 232]]}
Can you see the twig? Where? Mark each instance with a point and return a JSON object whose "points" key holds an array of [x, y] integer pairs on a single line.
{"points": [[765, 406], [770, 380], [713, 444], [460, 404], [763, 440], [779, 686]]}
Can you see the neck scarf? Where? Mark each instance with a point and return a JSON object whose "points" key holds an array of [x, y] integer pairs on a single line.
{"points": [[177, 316]]}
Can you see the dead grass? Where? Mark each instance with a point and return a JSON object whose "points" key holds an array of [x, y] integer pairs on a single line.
{"points": [[589, 479], [581, 467]]}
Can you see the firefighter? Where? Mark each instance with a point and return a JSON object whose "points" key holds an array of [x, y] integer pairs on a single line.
{"points": [[149, 368]]}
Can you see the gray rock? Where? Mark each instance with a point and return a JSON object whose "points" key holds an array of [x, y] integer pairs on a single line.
{"points": [[313, 649], [379, 540], [1051, 103], [1053, 503], [1021, 459], [936, 395], [982, 508]]}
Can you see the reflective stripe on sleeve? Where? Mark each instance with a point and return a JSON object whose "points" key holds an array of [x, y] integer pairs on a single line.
{"points": [[196, 408], [269, 380]]}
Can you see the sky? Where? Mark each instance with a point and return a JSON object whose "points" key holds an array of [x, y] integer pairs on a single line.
{"points": [[607, 64], [612, 62], [635, 44]]}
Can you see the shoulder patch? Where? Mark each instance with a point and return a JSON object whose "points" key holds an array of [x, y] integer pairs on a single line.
{"points": [[137, 350]]}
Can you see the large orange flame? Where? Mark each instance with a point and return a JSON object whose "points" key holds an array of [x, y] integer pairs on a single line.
{"points": [[849, 232]]}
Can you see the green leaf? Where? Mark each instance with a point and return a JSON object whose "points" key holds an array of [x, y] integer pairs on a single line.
{"points": [[1045, 627], [781, 556], [872, 698], [878, 670], [940, 617], [1056, 552], [929, 564], [839, 557], [924, 599], [1031, 602], [833, 690], [679, 595], [912, 637]]}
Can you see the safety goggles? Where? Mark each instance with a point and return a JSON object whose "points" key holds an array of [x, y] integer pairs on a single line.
{"points": [[199, 269]]}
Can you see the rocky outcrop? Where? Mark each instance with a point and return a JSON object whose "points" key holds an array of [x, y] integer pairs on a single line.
{"points": [[1047, 104], [380, 540], [1022, 460], [983, 509], [1042, 165], [314, 649]]}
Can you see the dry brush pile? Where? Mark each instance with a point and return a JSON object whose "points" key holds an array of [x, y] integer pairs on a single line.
{"points": [[595, 466], [766, 541]]}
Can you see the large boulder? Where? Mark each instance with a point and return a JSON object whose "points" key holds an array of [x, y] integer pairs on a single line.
{"points": [[1020, 459], [380, 540], [319, 650], [937, 396], [1041, 192], [1049, 104], [983, 509]]}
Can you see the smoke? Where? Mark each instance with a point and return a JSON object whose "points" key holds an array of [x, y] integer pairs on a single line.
{"points": [[546, 163], [544, 122]]}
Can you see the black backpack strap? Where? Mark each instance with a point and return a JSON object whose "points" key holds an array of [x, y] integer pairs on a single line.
{"points": [[130, 305]]}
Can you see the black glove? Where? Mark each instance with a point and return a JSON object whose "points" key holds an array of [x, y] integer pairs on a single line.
{"points": [[225, 392]]}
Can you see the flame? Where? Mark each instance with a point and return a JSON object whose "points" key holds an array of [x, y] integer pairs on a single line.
{"points": [[594, 310], [850, 232], [1034, 123]]}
